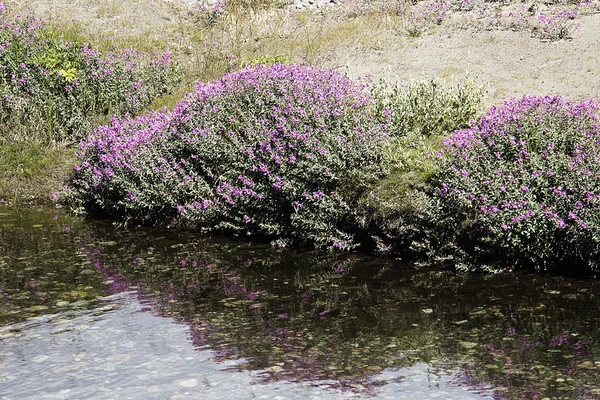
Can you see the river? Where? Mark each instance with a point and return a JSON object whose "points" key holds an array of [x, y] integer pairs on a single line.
{"points": [[93, 311]]}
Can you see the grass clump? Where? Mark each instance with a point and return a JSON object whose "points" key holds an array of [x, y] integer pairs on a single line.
{"points": [[283, 151]]}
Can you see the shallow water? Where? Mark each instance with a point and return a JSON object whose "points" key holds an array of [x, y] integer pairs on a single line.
{"points": [[91, 311]]}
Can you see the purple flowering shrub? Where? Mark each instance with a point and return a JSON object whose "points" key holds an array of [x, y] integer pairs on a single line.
{"points": [[282, 152], [557, 25], [62, 89], [523, 184]]}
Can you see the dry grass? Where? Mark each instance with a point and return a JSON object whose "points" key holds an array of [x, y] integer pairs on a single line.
{"points": [[209, 45]]}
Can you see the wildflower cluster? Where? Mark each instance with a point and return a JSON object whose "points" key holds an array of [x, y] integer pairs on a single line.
{"points": [[525, 182], [282, 151], [425, 14], [550, 21], [62, 88], [558, 25]]}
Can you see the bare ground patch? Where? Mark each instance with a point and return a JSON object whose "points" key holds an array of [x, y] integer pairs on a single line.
{"points": [[511, 63]]}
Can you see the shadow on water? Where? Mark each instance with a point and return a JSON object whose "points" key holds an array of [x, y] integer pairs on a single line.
{"points": [[344, 321]]}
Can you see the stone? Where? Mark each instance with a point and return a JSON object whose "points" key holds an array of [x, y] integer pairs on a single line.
{"points": [[189, 383]]}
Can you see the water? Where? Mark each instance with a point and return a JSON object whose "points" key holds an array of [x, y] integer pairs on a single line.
{"points": [[91, 311]]}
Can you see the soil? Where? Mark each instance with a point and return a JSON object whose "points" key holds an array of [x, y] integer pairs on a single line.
{"points": [[511, 64]]}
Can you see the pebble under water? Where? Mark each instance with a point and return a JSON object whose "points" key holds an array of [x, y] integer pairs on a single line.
{"points": [[91, 311]]}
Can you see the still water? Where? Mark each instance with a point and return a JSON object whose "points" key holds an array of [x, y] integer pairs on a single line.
{"points": [[91, 311]]}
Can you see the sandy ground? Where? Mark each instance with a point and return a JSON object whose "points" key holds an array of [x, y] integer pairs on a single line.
{"points": [[131, 17], [509, 63]]}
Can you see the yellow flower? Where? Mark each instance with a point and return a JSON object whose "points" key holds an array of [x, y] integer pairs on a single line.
{"points": [[68, 74]]}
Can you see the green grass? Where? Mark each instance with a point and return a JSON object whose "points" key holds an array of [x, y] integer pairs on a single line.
{"points": [[30, 170], [413, 164]]}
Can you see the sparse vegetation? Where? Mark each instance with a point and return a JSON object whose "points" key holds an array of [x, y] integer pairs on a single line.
{"points": [[55, 91]]}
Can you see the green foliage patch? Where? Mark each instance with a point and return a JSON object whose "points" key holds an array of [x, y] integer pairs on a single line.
{"points": [[57, 90]]}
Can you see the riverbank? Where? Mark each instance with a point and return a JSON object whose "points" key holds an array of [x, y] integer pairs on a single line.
{"points": [[406, 211], [506, 57]]}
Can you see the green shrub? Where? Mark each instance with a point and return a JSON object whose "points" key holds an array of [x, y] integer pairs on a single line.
{"points": [[418, 117], [396, 212], [429, 107]]}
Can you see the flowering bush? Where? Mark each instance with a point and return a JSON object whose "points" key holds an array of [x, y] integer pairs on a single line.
{"points": [[61, 88], [524, 183], [556, 26], [282, 151]]}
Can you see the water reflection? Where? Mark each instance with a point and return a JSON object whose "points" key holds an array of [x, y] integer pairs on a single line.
{"points": [[354, 324], [120, 352], [42, 269]]}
